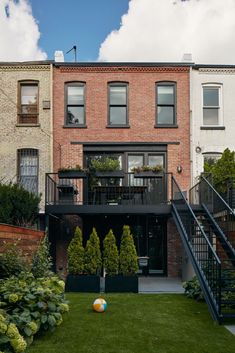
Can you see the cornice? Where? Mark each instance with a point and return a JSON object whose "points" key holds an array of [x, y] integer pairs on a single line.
{"points": [[25, 68], [227, 71], [74, 69]]}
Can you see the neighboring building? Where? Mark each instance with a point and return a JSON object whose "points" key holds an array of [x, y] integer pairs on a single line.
{"points": [[212, 114], [137, 113], [26, 125]]}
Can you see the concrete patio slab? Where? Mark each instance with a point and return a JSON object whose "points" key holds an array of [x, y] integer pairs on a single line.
{"points": [[160, 285]]}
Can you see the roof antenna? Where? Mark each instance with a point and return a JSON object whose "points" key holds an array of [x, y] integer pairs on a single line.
{"points": [[74, 48]]}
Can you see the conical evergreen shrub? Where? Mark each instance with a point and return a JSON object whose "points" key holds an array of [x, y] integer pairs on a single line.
{"points": [[128, 256], [110, 254], [42, 261], [92, 262], [75, 254]]}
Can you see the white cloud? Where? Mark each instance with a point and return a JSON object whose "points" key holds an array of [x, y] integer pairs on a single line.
{"points": [[19, 32], [163, 30]]}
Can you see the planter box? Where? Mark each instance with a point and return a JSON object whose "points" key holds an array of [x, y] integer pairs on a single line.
{"points": [[110, 174], [72, 175], [121, 284], [148, 174], [82, 284]]}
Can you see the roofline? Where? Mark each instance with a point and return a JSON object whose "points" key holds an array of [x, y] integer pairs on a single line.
{"points": [[122, 64], [212, 66], [24, 63]]}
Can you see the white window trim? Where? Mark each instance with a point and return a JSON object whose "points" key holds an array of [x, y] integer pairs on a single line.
{"points": [[220, 107]]}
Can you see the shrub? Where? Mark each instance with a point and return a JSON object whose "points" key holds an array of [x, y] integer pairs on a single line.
{"points": [[10, 338], [17, 205], [42, 262], [76, 254], [192, 289], [110, 254], [128, 255], [92, 258], [105, 164], [12, 261]]}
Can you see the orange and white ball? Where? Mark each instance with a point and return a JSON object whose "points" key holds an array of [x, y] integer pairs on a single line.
{"points": [[99, 305]]}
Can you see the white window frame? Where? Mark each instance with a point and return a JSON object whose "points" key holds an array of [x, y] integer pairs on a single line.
{"points": [[214, 85]]}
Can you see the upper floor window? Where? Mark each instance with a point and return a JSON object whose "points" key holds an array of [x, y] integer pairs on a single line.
{"points": [[75, 104], [28, 102], [210, 160], [28, 169], [118, 104], [166, 102], [211, 105]]}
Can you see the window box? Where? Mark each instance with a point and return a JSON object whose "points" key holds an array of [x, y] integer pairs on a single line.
{"points": [[119, 283], [110, 174], [148, 174], [83, 283], [72, 174]]}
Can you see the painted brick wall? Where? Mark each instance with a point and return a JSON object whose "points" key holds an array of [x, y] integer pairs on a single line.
{"points": [[142, 110]]}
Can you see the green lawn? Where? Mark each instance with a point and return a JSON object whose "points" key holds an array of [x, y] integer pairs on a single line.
{"points": [[136, 323]]}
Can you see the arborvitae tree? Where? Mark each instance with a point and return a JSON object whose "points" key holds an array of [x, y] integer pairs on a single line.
{"points": [[110, 254], [92, 259], [223, 170], [42, 261], [128, 255], [76, 254]]}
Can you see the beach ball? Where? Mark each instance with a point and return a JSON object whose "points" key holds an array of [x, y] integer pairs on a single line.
{"points": [[99, 305]]}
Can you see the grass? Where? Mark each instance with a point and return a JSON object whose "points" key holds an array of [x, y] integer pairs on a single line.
{"points": [[136, 323]]}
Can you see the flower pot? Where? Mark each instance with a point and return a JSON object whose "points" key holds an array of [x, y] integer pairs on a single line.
{"points": [[82, 283], [73, 174], [121, 283]]}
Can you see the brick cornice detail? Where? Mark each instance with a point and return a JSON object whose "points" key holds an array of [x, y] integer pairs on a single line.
{"points": [[217, 71], [124, 69], [25, 68]]}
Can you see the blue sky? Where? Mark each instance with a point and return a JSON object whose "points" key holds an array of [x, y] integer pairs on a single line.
{"points": [[85, 23]]}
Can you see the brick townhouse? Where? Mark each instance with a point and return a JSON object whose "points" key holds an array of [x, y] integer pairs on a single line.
{"points": [[138, 114]]}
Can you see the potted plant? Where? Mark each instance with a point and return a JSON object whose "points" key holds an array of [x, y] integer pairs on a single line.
{"points": [[107, 167], [147, 171], [127, 280], [110, 262], [72, 172]]}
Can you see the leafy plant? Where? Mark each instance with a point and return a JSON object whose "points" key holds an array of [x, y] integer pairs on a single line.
{"points": [[110, 254], [77, 168], [105, 164], [17, 205], [76, 254], [92, 258], [147, 168], [128, 255], [193, 290], [12, 261], [42, 261]]}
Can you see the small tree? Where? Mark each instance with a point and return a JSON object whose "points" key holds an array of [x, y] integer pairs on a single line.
{"points": [[92, 259], [42, 261], [128, 255], [110, 254], [76, 254]]}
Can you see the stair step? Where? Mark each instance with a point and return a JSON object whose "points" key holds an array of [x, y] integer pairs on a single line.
{"points": [[228, 289], [227, 301]]}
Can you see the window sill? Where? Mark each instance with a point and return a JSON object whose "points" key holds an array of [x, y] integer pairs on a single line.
{"points": [[212, 128], [117, 126], [166, 126], [27, 125], [75, 126]]}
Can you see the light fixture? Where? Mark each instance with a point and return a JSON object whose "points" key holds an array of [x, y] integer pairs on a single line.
{"points": [[198, 149], [179, 169]]}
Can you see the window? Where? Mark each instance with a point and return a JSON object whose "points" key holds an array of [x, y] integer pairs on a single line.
{"points": [[28, 103], [118, 104], [75, 104], [166, 102], [210, 159], [211, 105], [28, 169]]}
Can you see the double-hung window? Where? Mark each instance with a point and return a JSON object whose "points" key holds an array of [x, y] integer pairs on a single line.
{"points": [[75, 104], [166, 103], [118, 104], [28, 169], [28, 102], [211, 105]]}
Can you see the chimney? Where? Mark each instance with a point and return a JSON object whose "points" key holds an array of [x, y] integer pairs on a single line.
{"points": [[187, 57], [59, 56]]}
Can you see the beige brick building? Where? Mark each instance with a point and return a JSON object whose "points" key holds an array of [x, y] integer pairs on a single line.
{"points": [[26, 124]]}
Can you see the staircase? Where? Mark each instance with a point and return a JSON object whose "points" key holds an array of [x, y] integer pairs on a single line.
{"points": [[206, 228]]}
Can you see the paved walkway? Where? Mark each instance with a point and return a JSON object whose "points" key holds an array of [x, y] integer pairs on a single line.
{"points": [[160, 285]]}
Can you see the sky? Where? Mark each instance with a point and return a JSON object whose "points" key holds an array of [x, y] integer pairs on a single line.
{"points": [[118, 30]]}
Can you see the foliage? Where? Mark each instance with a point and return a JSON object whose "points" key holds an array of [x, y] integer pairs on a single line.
{"points": [[128, 255], [192, 289], [105, 164], [77, 168], [12, 261], [110, 254], [92, 258], [147, 168], [32, 305], [42, 261], [17, 205], [76, 254]]}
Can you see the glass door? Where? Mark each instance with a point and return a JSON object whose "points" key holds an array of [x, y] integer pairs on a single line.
{"points": [[156, 247]]}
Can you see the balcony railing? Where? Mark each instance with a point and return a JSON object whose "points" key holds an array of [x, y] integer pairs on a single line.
{"points": [[92, 190]]}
